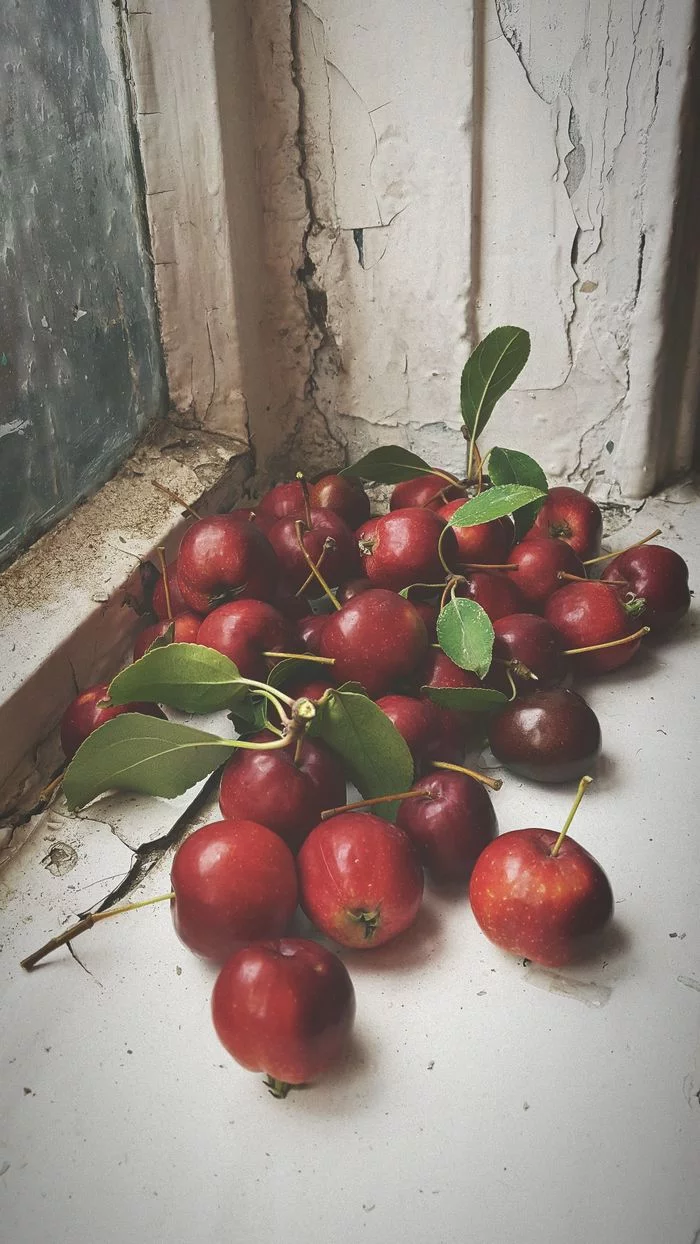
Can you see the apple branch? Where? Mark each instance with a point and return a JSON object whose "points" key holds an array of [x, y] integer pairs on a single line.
{"points": [[299, 526], [82, 926]]}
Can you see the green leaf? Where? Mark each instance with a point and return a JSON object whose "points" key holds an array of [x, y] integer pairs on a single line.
{"points": [[250, 715], [465, 699], [376, 757], [466, 635], [390, 464], [489, 372], [495, 502], [190, 677], [509, 466], [162, 641], [145, 754]]}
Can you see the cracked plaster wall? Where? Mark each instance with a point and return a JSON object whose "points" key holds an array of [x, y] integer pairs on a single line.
{"points": [[344, 197], [370, 129]]}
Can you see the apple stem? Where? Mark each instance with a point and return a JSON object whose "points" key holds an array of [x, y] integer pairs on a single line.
{"points": [[435, 586], [370, 803], [489, 566], [572, 578], [328, 544], [307, 499], [166, 585], [312, 565], [278, 1088], [53, 785], [604, 557], [174, 497], [267, 690], [301, 656], [450, 588], [494, 783], [448, 569], [582, 786], [612, 643], [83, 925]]}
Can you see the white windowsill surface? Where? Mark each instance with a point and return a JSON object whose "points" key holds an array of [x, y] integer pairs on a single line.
{"points": [[482, 1100]]}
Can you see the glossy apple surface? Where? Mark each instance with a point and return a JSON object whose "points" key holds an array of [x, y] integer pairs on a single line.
{"points": [[360, 881], [376, 640], [537, 905], [234, 881], [450, 826], [284, 1008]]}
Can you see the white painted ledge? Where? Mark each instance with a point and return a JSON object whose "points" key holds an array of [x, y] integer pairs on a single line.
{"points": [[63, 624], [482, 1100]]}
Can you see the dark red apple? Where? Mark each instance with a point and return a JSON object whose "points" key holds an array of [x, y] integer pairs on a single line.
{"points": [[402, 548], [340, 560], [243, 631], [360, 881], [484, 543], [570, 515], [420, 723], [281, 790], [309, 629], [376, 640], [426, 490], [354, 587], [540, 560], [550, 736], [528, 645], [450, 826], [90, 710], [587, 614], [537, 896], [185, 630], [344, 495], [160, 604], [494, 591], [282, 501], [658, 576], [221, 559], [234, 881], [284, 1008]]}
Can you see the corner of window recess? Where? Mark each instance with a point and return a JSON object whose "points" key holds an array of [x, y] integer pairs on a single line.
{"points": [[65, 617]]}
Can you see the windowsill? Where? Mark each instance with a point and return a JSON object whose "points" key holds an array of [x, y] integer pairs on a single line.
{"points": [[63, 621]]}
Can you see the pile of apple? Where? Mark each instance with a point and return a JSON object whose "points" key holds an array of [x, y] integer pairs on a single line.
{"points": [[377, 649]]}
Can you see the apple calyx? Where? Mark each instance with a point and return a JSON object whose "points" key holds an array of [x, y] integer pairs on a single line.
{"points": [[560, 530], [369, 920], [634, 605], [277, 1088], [582, 787], [367, 546]]}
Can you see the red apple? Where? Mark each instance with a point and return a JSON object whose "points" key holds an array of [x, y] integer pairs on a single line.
{"points": [[401, 548], [234, 881], [425, 491], [570, 515], [540, 560], [244, 630], [587, 614], [281, 790], [360, 881], [494, 591], [90, 710], [450, 826], [658, 576], [284, 1008], [185, 630], [484, 543], [344, 495], [376, 639], [538, 896], [282, 501], [221, 559], [340, 559]]}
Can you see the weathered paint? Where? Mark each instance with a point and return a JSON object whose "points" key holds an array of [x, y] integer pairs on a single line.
{"points": [[80, 359]]}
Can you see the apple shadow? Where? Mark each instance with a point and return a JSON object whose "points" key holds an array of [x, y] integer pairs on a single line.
{"points": [[606, 947], [406, 951]]}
